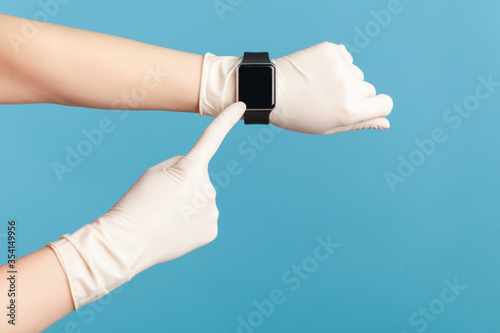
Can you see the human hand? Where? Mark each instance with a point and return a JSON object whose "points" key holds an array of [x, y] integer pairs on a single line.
{"points": [[319, 91], [168, 212]]}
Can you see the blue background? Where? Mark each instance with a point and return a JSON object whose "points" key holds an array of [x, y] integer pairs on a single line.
{"points": [[397, 247]]}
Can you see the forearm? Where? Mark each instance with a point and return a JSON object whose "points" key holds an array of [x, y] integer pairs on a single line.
{"points": [[146, 227], [42, 292], [75, 67]]}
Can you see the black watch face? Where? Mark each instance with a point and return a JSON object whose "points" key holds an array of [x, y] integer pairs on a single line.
{"points": [[256, 86]]}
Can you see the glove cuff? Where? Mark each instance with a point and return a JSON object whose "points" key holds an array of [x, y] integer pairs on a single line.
{"points": [[218, 83], [94, 265]]}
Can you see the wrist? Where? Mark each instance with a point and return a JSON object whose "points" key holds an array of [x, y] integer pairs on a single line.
{"points": [[98, 258], [218, 83]]}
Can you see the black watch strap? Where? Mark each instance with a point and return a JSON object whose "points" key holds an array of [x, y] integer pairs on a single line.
{"points": [[256, 117], [256, 57]]}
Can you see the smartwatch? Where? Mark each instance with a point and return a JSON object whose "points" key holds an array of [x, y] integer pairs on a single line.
{"points": [[256, 86]]}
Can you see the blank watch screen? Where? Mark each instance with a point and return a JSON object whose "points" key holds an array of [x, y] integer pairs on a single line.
{"points": [[256, 86]]}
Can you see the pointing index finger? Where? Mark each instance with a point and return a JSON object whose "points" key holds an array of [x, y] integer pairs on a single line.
{"points": [[207, 145]]}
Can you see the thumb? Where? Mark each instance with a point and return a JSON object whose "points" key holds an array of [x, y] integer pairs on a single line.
{"points": [[207, 145]]}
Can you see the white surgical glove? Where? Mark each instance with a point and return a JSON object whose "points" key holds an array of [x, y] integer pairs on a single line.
{"points": [[167, 213], [319, 91]]}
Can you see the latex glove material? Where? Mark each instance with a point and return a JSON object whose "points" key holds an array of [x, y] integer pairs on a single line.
{"points": [[319, 91], [167, 213]]}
